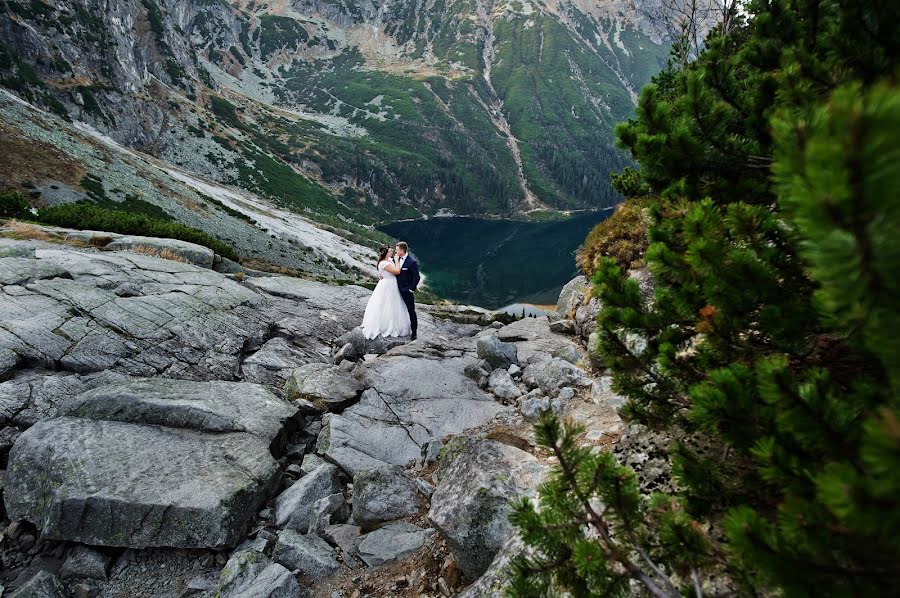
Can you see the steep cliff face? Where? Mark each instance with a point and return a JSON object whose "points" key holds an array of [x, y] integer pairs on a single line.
{"points": [[349, 110]]}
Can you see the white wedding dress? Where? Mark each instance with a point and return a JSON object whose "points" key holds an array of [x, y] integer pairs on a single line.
{"points": [[386, 313]]}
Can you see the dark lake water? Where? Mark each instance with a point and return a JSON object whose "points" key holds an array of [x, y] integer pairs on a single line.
{"points": [[494, 263]]}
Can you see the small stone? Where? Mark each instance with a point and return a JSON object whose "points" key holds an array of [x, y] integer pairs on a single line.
{"points": [[26, 541], [432, 451], [326, 511], [294, 469], [502, 385], [310, 463], [265, 514], [383, 494], [424, 487], [566, 394], [85, 563], [294, 506], [531, 407], [308, 554], [296, 451], [498, 353], [514, 370], [393, 541]]}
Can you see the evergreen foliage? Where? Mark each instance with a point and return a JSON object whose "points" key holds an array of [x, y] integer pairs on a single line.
{"points": [[91, 217], [13, 205], [772, 335]]}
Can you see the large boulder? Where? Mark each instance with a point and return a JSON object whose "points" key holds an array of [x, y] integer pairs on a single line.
{"points": [[215, 407], [392, 542], [182, 250], [494, 582], [383, 494], [328, 387], [410, 401], [150, 463], [571, 296], [496, 352], [294, 506], [478, 480], [536, 342], [553, 375], [124, 484]]}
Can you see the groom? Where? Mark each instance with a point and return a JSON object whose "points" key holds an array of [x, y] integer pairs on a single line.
{"points": [[408, 280]]}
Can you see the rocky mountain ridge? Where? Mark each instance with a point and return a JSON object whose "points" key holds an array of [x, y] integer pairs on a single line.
{"points": [[175, 431], [349, 111]]}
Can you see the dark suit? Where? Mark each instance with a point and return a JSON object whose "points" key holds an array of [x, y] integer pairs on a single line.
{"points": [[408, 281]]}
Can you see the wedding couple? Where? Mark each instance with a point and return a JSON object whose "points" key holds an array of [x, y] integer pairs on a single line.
{"points": [[391, 310]]}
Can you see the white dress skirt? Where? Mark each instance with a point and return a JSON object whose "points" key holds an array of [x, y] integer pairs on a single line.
{"points": [[386, 314]]}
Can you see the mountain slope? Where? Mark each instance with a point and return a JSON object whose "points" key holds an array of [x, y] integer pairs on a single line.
{"points": [[348, 111]]}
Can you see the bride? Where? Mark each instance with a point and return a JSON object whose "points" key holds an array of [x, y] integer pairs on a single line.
{"points": [[386, 314]]}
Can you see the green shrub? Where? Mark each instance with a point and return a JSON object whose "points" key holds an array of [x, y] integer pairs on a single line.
{"points": [[88, 216], [13, 205]]}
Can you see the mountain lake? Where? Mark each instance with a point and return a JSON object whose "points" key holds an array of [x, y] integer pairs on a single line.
{"points": [[496, 264]]}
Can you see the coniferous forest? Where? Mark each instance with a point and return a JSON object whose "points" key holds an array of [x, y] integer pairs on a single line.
{"points": [[768, 352]]}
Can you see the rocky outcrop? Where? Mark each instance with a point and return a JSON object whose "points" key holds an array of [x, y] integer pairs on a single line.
{"points": [[471, 505], [411, 400], [327, 387], [392, 542], [181, 250], [152, 463]]}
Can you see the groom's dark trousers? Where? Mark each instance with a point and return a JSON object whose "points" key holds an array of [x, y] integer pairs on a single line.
{"points": [[407, 281]]}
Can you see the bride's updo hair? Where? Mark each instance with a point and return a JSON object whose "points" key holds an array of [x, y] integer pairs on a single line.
{"points": [[382, 253]]}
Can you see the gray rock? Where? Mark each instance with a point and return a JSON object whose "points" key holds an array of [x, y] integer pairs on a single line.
{"points": [[566, 394], [312, 556], [501, 384], [603, 394], [328, 387], [393, 541], [431, 452], [327, 511], [250, 574], [359, 345], [409, 402], [571, 296], [195, 254], [535, 342], [42, 584], [85, 563], [496, 352], [383, 494], [471, 505], [532, 406], [493, 583], [476, 373], [123, 484], [563, 327], [216, 407], [585, 318], [344, 537], [311, 462], [293, 507], [514, 370], [13, 248], [553, 375]]}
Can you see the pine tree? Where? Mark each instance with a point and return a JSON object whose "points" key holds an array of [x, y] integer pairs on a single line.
{"points": [[773, 330]]}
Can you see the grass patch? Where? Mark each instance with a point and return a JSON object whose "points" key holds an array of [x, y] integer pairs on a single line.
{"points": [[622, 236]]}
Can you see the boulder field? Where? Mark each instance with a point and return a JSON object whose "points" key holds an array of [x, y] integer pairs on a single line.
{"points": [[170, 430]]}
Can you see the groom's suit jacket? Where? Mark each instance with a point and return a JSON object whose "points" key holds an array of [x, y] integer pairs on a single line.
{"points": [[408, 279]]}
